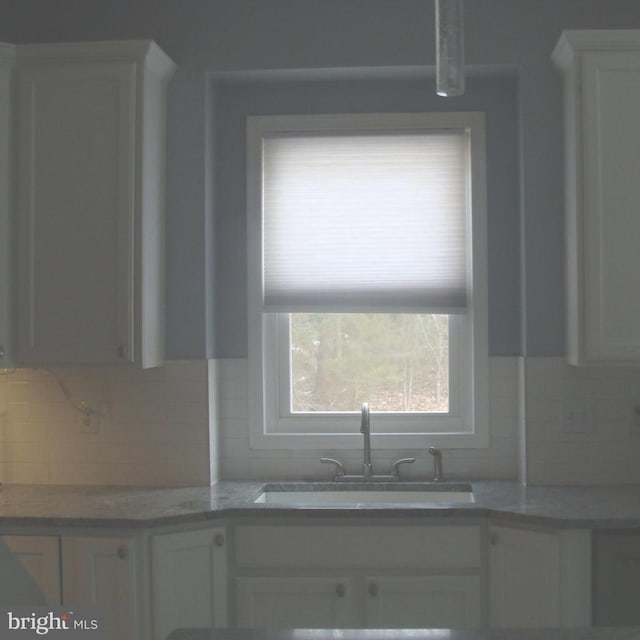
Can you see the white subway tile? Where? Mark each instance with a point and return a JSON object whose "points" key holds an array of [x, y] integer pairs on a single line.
{"points": [[234, 428], [503, 407], [235, 407], [187, 391], [67, 452], [40, 411], [504, 427], [17, 452], [186, 370], [24, 473], [185, 454], [14, 431], [188, 412], [92, 474]]}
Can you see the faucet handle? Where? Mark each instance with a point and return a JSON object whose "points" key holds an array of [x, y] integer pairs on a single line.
{"points": [[339, 465], [395, 469]]}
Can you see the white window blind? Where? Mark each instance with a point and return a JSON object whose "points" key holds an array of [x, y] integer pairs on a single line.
{"points": [[366, 222]]}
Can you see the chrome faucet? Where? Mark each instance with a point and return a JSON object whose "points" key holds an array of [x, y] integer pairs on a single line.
{"points": [[365, 430], [367, 465]]}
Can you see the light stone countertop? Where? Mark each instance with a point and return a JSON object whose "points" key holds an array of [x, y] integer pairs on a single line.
{"points": [[608, 507], [631, 633]]}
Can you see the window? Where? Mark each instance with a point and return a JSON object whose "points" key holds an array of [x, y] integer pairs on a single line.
{"points": [[367, 280]]}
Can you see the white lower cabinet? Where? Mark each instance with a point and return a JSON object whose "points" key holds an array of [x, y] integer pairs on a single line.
{"points": [[333, 602], [386, 602], [69, 571], [395, 602], [539, 578], [616, 578], [189, 580], [104, 572], [30, 570], [294, 602], [370, 575], [324, 574]]}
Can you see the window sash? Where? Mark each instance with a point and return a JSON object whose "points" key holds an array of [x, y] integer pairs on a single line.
{"points": [[471, 429], [285, 421]]}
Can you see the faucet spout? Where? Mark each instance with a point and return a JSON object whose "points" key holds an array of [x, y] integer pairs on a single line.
{"points": [[367, 467], [365, 430]]}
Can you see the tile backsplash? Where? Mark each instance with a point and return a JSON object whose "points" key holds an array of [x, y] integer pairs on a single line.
{"points": [[152, 428], [238, 461], [581, 423], [187, 424]]}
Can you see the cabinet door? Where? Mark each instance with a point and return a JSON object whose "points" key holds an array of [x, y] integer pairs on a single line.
{"points": [[7, 55], [616, 579], [611, 147], [30, 570], [189, 580], [524, 578], [294, 602], [422, 602], [76, 211], [102, 572]]}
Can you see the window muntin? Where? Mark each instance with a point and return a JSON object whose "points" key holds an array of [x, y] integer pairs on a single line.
{"points": [[273, 423]]}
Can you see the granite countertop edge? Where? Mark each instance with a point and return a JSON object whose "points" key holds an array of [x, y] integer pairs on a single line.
{"points": [[594, 633], [596, 507]]}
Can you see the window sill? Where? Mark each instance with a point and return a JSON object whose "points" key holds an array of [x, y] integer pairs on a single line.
{"points": [[382, 441]]}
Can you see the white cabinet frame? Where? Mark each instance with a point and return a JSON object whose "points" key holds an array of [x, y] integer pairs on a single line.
{"points": [[90, 205], [30, 572], [189, 580], [601, 72], [292, 573], [539, 578], [105, 572], [7, 62]]}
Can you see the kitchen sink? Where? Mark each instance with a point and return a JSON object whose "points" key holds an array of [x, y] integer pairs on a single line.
{"points": [[335, 494]]}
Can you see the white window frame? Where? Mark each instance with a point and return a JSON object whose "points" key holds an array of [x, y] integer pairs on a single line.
{"points": [[271, 424]]}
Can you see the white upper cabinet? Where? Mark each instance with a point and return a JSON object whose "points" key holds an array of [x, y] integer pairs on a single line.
{"points": [[7, 59], [602, 155], [91, 138]]}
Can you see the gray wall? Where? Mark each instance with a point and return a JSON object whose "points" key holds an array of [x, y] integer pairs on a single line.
{"points": [[205, 287], [495, 96]]}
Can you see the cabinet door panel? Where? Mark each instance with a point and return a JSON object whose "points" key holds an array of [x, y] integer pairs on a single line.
{"points": [[379, 547], [76, 150], [611, 143], [524, 578], [422, 602], [296, 602], [102, 572], [617, 580], [189, 581], [30, 570]]}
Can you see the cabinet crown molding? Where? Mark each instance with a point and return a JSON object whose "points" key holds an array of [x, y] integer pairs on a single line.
{"points": [[146, 51], [573, 42]]}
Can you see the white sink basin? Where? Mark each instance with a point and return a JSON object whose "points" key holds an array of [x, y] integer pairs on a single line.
{"points": [[315, 495]]}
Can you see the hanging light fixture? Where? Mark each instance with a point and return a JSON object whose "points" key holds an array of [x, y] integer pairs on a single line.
{"points": [[449, 48]]}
